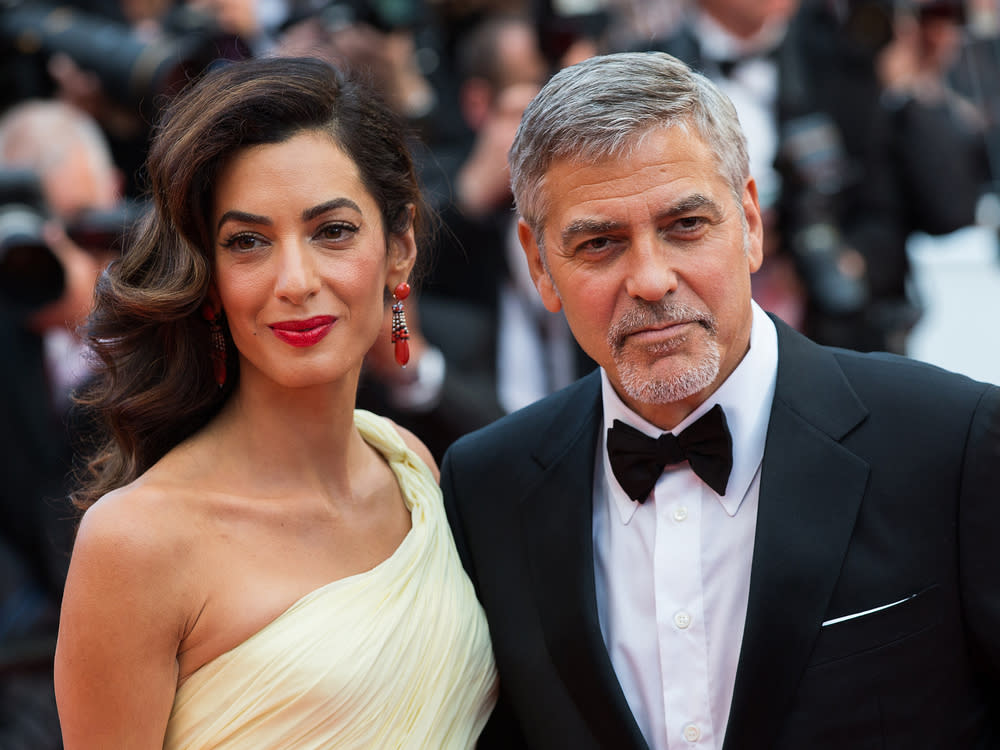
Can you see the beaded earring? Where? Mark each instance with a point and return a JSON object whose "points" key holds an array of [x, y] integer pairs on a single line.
{"points": [[218, 343], [400, 334]]}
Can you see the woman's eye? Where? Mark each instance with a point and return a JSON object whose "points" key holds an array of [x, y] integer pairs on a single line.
{"points": [[336, 232], [242, 242]]}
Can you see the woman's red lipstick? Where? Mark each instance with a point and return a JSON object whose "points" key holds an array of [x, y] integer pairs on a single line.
{"points": [[303, 332]]}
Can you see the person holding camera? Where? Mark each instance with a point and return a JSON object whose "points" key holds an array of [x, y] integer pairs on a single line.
{"points": [[55, 168]]}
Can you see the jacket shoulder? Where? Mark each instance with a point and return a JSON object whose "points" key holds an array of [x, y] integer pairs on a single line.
{"points": [[520, 433]]}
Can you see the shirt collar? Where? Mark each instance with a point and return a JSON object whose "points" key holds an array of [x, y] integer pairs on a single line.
{"points": [[746, 396], [717, 43]]}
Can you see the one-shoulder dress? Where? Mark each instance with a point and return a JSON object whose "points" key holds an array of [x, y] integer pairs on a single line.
{"points": [[396, 657]]}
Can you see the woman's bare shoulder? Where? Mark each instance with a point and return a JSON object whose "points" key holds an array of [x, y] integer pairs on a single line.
{"points": [[155, 516], [135, 524]]}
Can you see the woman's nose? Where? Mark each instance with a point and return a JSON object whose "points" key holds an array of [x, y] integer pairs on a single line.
{"points": [[297, 277]]}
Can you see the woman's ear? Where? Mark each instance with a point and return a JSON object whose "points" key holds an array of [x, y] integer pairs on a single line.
{"points": [[402, 251]]}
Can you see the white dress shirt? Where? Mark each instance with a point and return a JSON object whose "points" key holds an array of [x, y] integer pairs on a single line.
{"points": [[535, 355], [673, 573], [753, 88]]}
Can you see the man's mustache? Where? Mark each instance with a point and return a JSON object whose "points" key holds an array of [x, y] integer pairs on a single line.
{"points": [[643, 315]]}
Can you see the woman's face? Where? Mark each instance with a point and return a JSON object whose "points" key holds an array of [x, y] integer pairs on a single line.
{"points": [[301, 261]]}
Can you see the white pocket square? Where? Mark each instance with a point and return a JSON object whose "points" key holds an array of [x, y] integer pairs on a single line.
{"points": [[835, 620]]}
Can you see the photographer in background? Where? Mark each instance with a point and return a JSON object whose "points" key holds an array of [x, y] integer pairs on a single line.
{"points": [[117, 60], [47, 282]]}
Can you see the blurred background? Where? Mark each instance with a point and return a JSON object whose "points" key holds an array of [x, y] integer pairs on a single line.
{"points": [[874, 132]]}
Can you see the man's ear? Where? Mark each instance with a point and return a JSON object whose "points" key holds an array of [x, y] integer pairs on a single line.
{"points": [[539, 274], [755, 226]]}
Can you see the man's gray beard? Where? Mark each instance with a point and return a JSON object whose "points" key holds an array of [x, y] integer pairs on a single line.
{"points": [[635, 378]]}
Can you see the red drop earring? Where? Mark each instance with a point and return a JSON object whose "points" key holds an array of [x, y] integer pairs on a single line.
{"points": [[218, 342], [400, 334]]}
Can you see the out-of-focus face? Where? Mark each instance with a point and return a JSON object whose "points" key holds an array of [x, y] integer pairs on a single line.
{"points": [[747, 17], [520, 56], [79, 184], [650, 257], [302, 261]]}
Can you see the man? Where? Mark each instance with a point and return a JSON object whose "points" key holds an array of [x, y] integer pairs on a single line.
{"points": [[829, 582]]}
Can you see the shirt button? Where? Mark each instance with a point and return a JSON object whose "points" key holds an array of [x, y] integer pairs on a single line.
{"points": [[682, 620], [680, 514], [692, 733]]}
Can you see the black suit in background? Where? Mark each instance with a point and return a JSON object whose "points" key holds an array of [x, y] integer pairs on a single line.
{"points": [[466, 336], [36, 528], [880, 484]]}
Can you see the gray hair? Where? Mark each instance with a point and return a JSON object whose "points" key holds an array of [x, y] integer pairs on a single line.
{"points": [[600, 109], [41, 134]]}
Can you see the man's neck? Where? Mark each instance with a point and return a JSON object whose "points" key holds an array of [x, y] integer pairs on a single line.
{"points": [[721, 36]]}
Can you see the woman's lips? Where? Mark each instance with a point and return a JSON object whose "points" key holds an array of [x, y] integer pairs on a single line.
{"points": [[303, 332]]}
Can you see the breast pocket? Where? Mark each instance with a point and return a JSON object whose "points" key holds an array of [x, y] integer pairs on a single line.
{"points": [[873, 628]]}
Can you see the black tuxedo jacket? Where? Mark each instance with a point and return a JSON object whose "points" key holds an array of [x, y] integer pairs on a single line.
{"points": [[880, 485], [36, 519]]}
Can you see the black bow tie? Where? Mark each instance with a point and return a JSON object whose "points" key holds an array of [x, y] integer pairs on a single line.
{"points": [[729, 66], [638, 460]]}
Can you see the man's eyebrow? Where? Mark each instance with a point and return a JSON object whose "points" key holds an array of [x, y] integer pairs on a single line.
{"points": [[693, 202], [579, 227], [586, 227]]}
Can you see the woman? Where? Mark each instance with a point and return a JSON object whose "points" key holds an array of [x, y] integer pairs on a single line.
{"points": [[259, 565]]}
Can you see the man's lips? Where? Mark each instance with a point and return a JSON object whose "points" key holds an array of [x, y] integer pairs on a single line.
{"points": [[303, 332], [667, 327]]}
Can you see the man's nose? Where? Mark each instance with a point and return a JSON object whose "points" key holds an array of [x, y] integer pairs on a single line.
{"points": [[651, 271]]}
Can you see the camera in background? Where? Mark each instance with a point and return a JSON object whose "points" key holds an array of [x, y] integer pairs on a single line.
{"points": [[134, 71], [31, 274]]}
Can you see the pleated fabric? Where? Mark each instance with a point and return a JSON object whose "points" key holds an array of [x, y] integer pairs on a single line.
{"points": [[395, 657]]}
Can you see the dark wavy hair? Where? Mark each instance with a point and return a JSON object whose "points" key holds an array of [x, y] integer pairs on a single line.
{"points": [[154, 385]]}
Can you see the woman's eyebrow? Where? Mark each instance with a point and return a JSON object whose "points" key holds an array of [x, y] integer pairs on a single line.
{"points": [[311, 213]]}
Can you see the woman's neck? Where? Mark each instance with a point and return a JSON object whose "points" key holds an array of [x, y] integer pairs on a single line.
{"points": [[291, 437]]}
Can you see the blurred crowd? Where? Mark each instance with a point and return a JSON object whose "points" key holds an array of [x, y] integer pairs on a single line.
{"points": [[868, 121]]}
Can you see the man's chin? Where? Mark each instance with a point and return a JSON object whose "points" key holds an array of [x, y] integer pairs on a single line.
{"points": [[666, 380]]}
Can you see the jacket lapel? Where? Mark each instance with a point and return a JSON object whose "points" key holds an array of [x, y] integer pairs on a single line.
{"points": [[810, 491], [557, 526]]}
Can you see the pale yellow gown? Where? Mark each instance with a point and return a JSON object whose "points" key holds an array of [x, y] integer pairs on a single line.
{"points": [[396, 657]]}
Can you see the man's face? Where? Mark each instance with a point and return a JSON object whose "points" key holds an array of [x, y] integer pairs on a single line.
{"points": [[650, 257]]}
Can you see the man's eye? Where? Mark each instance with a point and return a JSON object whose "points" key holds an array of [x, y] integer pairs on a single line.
{"points": [[595, 245], [689, 223]]}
